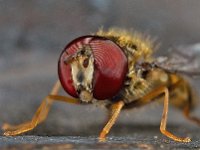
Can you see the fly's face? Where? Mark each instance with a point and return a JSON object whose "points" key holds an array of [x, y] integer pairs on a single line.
{"points": [[82, 70], [92, 67]]}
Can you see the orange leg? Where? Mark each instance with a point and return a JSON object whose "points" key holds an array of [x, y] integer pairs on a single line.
{"points": [[187, 108], [164, 120], [40, 115], [154, 94], [187, 114], [115, 111]]}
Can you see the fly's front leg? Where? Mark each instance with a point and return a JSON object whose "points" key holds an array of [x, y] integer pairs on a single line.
{"points": [[40, 115], [115, 111]]}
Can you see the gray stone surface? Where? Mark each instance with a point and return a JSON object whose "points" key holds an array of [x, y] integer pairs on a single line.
{"points": [[32, 36], [134, 141]]}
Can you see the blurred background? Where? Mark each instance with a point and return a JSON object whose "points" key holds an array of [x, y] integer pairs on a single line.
{"points": [[33, 33]]}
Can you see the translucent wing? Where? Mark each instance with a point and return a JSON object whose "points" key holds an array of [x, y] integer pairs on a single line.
{"points": [[182, 59]]}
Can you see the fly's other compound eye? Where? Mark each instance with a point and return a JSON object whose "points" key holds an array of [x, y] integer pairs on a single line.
{"points": [[101, 63]]}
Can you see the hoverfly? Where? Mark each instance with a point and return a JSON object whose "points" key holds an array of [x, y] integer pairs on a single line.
{"points": [[117, 67]]}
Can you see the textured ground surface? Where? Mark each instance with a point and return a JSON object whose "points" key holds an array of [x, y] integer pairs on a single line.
{"points": [[32, 35]]}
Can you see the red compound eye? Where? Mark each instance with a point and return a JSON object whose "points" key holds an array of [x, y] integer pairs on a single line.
{"points": [[64, 72], [110, 66]]}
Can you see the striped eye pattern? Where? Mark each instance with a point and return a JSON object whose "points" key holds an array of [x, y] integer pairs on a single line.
{"points": [[110, 66]]}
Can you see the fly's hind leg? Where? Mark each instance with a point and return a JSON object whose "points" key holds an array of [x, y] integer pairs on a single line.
{"points": [[185, 100], [40, 115], [187, 113], [114, 113]]}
